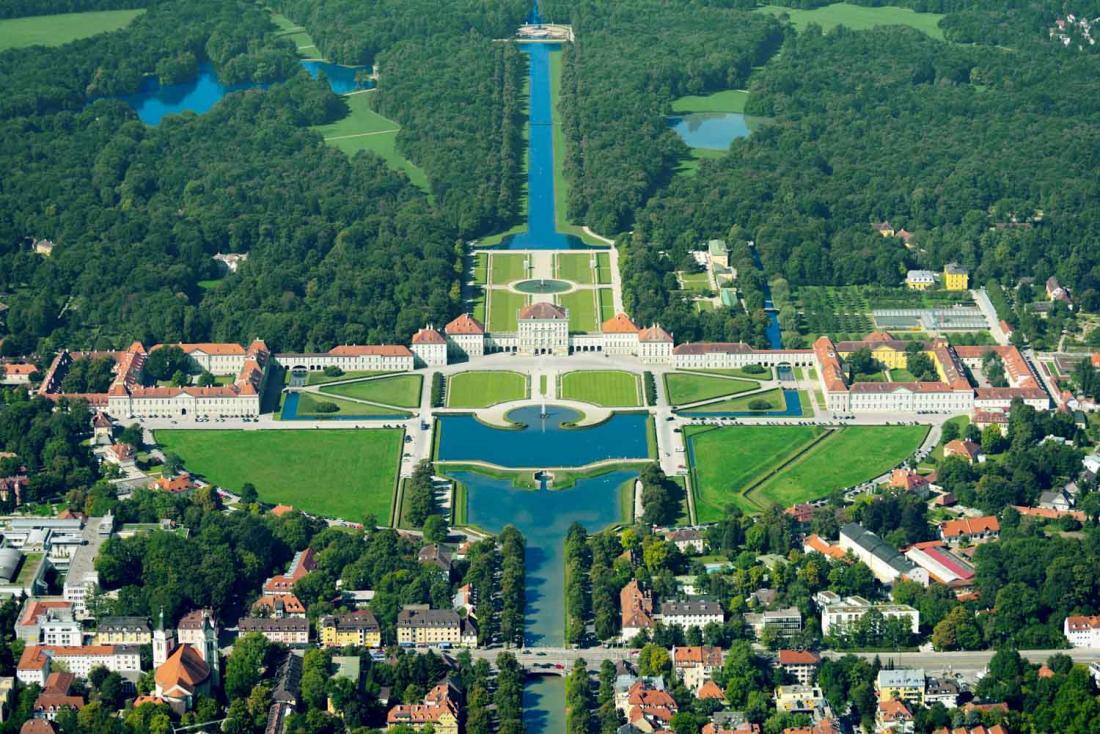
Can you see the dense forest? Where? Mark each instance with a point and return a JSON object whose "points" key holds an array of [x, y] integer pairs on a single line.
{"points": [[22, 8], [629, 61]]}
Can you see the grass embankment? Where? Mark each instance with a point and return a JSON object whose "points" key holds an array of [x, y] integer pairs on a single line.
{"points": [[859, 17], [400, 390], [365, 129], [683, 387], [608, 388], [340, 473], [758, 466], [57, 30], [482, 389]]}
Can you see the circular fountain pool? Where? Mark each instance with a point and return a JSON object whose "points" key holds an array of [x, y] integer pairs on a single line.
{"points": [[543, 286]]}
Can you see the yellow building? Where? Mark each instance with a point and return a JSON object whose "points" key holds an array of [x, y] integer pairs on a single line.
{"points": [[884, 348], [955, 277], [439, 710], [123, 631], [357, 629], [417, 624], [901, 684]]}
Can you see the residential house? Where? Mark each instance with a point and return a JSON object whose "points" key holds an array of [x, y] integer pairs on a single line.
{"points": [[814, 543], [624, 683], [944, 691], [730, 722], [56, 696], [885, 562], [637, 609], [693, 613], [285, 605], [710, 690], [910, 481], [290, 631], [920, 280], [1082, 631], [16, 374], [695, 664], [121, 454], [436, 555], [123, 631], [799, 699], [417, 624], [902, 684], [786, 622], [802, 513], [440, 710], [650, 709], [970, 529], [822, 726], [837, 612], [800, 664], [1055, 499], [964, 449], [687, 540], [883, 228], [356, 629], [463, 600], [300, 565], [979, 729], [893, 717], [179, 484], [1056, 292]]}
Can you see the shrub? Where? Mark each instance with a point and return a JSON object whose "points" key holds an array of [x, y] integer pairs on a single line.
{"points": [[754, 369], [438, 388], [759, 404], [333, 371], [650, 388], [324, 406]]}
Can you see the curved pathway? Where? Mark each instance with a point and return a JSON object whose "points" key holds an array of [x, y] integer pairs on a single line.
{"points": [[494, 415]]}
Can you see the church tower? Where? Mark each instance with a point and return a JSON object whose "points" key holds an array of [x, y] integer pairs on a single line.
{"points": [[164, 641]]}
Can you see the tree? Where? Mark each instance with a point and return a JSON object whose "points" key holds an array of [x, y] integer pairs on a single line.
{"points": [[246, 664], [207, 379], [419, 488], [249, 495], [957, 631], [654, 660], [162, 363], [861, 362], [435, 529], [660, 497]]}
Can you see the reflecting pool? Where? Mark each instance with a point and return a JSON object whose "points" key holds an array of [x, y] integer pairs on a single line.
{"points": [[544, 517], [544, 442], [710, 130]]}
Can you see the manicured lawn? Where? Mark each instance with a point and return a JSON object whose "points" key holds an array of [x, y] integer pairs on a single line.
{"points": [[399, 390], [582, 309], [482, 389], [701, 306], [320, 378], [610, 388], [900, 375], [603, 262], [727, 460], [365, 129], [774, 398], [851, 455], [56, 30], [576, 267], [765, 375], [507, 267], [607, 304], [504, 308], [870, 377], [342, 473], [481, 268], [728, 100], [695, 281], [690, 166], [688, 388], [858, 17], [307, 406], [307, 49]]}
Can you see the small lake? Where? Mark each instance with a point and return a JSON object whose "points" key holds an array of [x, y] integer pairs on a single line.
{"points": [[710, 130], [544, 517], [543, 443], [153, 101]]}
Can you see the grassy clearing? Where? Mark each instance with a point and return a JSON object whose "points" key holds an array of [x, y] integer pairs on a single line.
{"points": [[851, 455], [308, 406], [727, 460], [506, 268], [729, 100], [504, 309], [307, 49], [365, 129], [690, 166], [901, 375], [57, 30], [576, 267], [582, 309], [603, 264], [688, 388], [399, 390], [345, 474], [607, 304], [697, 282], [774, 398], [482, 389], [858, 17], [610, 388]]}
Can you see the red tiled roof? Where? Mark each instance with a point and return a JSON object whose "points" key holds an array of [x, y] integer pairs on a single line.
{"points": [[710, 689], [620, 323], [428, 336], [367, 350], [960, 447], [542, 310], [184, 669], [220, 349], [19, 369], [798, 657], [970, 526], [894, 710], [654, 334], [465, 324]]}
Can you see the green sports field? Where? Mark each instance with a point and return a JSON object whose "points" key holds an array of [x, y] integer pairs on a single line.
{"points": [[504, 309], [688, 388], [56, 30], [609, 388], [859, 17], [400, 390], [339, 473], [730, 461], [365, 129], [582, 309], [576, 267], [482, 389], [507, 267]]}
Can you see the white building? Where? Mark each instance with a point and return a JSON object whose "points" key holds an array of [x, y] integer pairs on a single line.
{"points": [[784, 621], [543, 328], [352, 358], [1082, 631], [48, 622], [885, 562], [34, 665], [920, 279], [465, 337], [837, 613], [218, 359], [696, 613], [655, 345], [430, 348]]}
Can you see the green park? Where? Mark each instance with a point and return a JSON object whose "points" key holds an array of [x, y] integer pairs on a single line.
{"points": [[485, 388], [607, 388], [55, 30]]}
